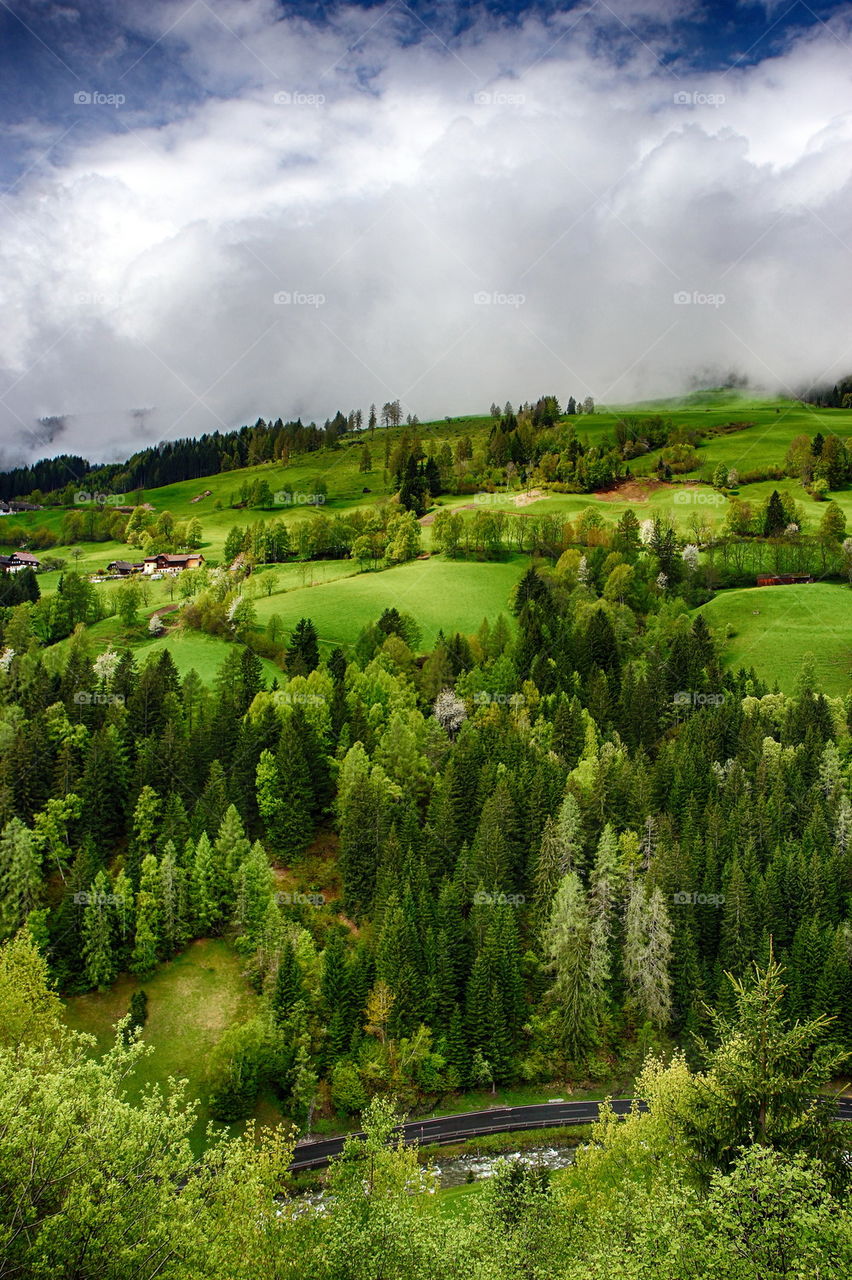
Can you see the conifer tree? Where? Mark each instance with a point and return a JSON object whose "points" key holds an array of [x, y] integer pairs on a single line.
{"points": [[205, 909], [99, 956], [254, 881], [147, 939], [20, 876], [288, 987], [173, 899], [567, 944], [647, 953], [145, 830]]}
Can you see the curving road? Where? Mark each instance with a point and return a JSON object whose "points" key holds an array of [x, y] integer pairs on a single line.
{"points": [[310, 1154]]}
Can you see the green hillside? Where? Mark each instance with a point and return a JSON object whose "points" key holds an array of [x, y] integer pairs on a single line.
{"points": [[341, 597], [438, 593], [773, 628]]}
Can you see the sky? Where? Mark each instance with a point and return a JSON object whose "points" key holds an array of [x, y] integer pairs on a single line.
{"points": [[215, 210]]}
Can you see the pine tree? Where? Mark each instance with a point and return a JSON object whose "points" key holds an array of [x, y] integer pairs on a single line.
{"points": [[763, 1084], [229, 851], [567, 945], [284, 795], [103, 787], [99, 954], [647, 953], [20, 876], [336, 995], [492, 854], [174, 907], [295, 782], [174, 825], [254, 882], [569, 730], [213, 801], [560, 853], [125, 918], [303, 650], [362, 828], [737, 941], [205, 911], [288, 988], [146, 942], [145, 830]]}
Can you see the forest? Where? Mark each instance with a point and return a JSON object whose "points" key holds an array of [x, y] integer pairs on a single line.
{"points": [[550, 841], [573, 848]]}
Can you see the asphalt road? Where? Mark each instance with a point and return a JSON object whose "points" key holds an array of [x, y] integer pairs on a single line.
{"points": [[312, 1154]]}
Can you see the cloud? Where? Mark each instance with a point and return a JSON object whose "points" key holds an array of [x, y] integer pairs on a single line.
{"points": [[449, 221]]}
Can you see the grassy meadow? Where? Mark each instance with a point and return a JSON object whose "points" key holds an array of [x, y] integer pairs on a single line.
{"points": [[192, 1001], [456, 595], [451, 594], [772, 628]]}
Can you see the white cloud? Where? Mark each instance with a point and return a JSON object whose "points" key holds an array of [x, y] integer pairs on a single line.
{"points": [[142, 269]]}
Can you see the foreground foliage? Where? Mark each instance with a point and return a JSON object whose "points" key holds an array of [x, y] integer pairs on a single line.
{"points": [[92, 1186]]}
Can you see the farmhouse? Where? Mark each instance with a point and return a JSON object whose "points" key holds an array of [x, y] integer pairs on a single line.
{"points": [[123, 568], [783, 579], [165, 563], [17, 561]]}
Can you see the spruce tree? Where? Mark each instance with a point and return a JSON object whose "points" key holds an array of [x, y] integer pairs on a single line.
{"points": [[99, 954], [147, 939], [567, 946]]}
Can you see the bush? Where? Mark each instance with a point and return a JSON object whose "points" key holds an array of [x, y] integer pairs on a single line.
{"points": [[138, 1014], [348, 1095], [239, 1064]]}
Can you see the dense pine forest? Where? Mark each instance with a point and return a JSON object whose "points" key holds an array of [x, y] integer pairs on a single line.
{"points": [[572, 847], [543, 846]]}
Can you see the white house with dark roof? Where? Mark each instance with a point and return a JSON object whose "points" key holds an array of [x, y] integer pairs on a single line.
{"points": [[17, 561]]}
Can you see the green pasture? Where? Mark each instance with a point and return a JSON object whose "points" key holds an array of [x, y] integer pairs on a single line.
{"points": [[774, 627], [192, 1001], [453, 595]]}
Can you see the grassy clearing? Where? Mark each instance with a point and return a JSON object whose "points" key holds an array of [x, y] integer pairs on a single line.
{"points": [[191, 650], [774, 627], [451, 594], [194, 650], [458, 1203], [192, 1000], [763, 444]]}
